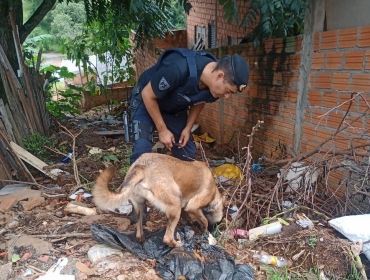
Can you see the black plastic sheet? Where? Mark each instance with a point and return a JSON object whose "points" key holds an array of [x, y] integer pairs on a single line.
{"points": [[178, 263]]}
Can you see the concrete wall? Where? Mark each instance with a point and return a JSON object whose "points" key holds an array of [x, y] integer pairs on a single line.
{"points": [[347, 13]]}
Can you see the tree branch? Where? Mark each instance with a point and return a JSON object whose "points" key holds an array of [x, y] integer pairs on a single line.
{"points": [[36, 18]]}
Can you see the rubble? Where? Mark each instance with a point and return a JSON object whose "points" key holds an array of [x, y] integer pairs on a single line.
{"points": [[39, 222]]}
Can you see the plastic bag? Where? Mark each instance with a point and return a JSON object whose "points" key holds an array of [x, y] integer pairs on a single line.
{"points": [[215, 263], [355, 228], [227, 171]]}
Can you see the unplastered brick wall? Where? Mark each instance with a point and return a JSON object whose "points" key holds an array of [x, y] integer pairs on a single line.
{"points": [[149, 53], [271, 96], [204, 12], [340, 71]]}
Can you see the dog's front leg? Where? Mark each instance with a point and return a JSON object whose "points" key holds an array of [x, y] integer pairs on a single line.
{"points": [[173, 215]]}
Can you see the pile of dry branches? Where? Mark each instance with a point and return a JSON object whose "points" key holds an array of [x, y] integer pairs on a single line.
{"points": [[270, 193]]}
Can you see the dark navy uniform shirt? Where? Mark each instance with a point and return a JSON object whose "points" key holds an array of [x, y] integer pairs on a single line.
{"points": [[171, 74]]}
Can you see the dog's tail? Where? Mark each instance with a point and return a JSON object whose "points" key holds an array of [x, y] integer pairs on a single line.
{"points": [[108, 200]]}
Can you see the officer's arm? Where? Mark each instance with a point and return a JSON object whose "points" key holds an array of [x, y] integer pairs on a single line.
{"points": [[193, 115], [151, 104]]}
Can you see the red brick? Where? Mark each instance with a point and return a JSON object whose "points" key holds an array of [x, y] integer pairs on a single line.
{"points": [[314, 98], [363, 102], [354, 60], [328, 40], [321, 80], [347, 38], [329, 99], [344, 96], [292, 96], [316, 41], [360, 82], [341, 81], [317, 61], [367, 60], [333, 60], [364, 37], [334, 119]]}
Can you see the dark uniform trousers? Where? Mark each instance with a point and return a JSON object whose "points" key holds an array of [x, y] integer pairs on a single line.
{"points": [[143, 128]]}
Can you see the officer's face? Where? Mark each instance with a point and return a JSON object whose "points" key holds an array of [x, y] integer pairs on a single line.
{"points": [[220, 88]]}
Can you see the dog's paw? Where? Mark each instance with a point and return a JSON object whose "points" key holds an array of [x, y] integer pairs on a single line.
{"points": [[172, 242], [140, 238]]}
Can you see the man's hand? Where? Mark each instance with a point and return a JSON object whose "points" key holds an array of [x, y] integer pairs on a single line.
{"points": [[167, 138], [184, 137]]}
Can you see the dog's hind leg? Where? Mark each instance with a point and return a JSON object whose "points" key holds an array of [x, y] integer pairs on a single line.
{"points": [[139, 211]]}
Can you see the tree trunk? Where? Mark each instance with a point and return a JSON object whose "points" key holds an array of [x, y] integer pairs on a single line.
{"points": [[22, 100]]}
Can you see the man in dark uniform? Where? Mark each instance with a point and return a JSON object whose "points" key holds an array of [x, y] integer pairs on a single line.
{"points": [[170, 95]]}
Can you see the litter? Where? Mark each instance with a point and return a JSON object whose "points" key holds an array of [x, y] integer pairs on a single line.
{"points": [[80, 192], [95, 151], [233, 211], [355, 229], [304, 222], [204, 138], [214, 264], [269, 229], [265, 258], [299, 175], [238, 233], [54, 271], [75, 208], [101, 251], [67, 157], [227, 172]]}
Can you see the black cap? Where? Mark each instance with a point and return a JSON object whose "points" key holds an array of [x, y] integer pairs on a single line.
{"points": [[240, 70]]}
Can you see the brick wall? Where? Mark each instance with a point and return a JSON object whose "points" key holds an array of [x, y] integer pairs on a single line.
{"points": [[271, 97], [147, 56], [340, 66], [204, 12]]}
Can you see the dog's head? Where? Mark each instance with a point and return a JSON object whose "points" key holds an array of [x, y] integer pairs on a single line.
{"points": [[214, 211]]}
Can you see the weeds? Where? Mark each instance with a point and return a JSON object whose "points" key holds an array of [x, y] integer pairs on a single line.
{"points": [[35, 144]]}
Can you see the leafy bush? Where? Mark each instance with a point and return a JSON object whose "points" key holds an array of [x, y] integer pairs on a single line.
{"points": [[35, 144], [275, 18], [64, 100]]}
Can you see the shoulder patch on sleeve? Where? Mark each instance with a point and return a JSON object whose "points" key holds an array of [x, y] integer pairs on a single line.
{"points": [[163, 84]]}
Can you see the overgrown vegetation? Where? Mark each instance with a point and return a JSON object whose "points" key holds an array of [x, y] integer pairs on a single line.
{"points": [[36, 143], [62, 99], [112, 47], [67, 20], [276, 18], [82, 29], [64, 23]]}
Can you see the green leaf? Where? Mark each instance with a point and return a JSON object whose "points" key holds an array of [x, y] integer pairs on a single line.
{"points": [[110, 158], [15, 258]]}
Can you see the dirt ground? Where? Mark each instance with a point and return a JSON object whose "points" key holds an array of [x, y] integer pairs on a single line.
{"points": [[36, 230]]}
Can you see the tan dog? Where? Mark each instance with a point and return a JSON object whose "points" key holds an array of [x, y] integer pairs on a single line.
{"points": [[167, 183]]}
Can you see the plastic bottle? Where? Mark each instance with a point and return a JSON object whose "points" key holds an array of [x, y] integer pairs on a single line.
{"points": [[265, 258], [269, 229]]}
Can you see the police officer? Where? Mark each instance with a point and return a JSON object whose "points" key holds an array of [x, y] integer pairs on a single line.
{"points": [[170, 95]]}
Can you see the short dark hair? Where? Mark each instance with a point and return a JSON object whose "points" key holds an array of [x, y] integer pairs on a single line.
{"points": [[224, 64]]}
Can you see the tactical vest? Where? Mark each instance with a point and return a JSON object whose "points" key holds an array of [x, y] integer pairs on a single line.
{"points": [[188, 93]]}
